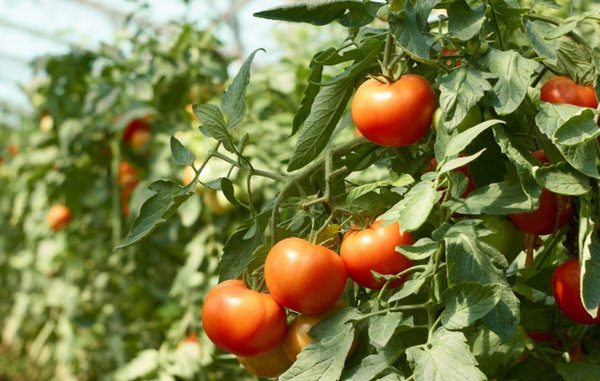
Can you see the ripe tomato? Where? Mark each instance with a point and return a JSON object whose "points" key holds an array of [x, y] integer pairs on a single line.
{"points": [[58, 217], [566, 290], [188, 175], [13, 149], [374, 249], [305, 277], [297, 337], [268, 365], [552, 214], [565, 90], [396, 114], [137, 134], [464, 170], [242, 321], [128, 175]]}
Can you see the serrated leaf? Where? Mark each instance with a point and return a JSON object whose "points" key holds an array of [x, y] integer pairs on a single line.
{"points": [[492, 352], [361, 190], [181, 154], [237, 254], [157, 209], [459, 142], [409, 34], [213, 123], [459, 162], [233, 102], [412, 211], [464, 23], [382, 327], [448, 358], [582, 157], [468, 302], [374, 364], [562, 179], [536, 31], [589, 257], [460, 90], [311, 90], [320, 12], [326, 111], [560, 30], [497, 199], [514, 74], [408, 288], [422, 249], [578, 129]]}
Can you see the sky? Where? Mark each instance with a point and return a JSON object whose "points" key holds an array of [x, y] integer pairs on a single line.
{"points": [[31, 28]]}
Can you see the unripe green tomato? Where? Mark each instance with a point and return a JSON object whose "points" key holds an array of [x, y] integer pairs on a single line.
{"points": [[437, 115], [397, 5], [477, 47], [487, 115], [507, 239], [383, 13], [472, 118]]}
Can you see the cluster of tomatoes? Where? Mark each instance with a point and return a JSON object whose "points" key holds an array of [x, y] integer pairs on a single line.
{"points": [[303, 277]]}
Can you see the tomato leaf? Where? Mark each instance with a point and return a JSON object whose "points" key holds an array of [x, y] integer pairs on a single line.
{"points": [[323, 358], [492, 352], [589, 258], [460, 90], [536, 31], [361, 190], [412, 211], [383, 327], [578, 371], [213, 124], [562, 179], [447, 358], [311, 90], [409, 31], [237, 254], [459, 142], [459, 162], [514, 74], [580, 128], [181, 154], [464, 23], [497, 198], [375, 364], [157, 209], [348, 13], [468, 302], [325, 113], [409, 287]]}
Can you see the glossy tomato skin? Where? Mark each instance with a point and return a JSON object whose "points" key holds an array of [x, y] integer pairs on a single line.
{"points": [[565, 90], [268, 365], [305, 277], [242, 321], [58, 217], [396, 114], [548, 217], [297, 337], [566, 290], [374, 249]]}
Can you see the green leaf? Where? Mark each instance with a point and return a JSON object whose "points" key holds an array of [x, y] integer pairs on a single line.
{"points": [[562, 179], [536, 31], [468, 302], [408, 288], [375, 364], [497, 199], [320, 12], [578, 371], [311, 90], [460, 90], [372, 49], [452, 164], [514, 74], [382, 327], [422, 249], [361, 190], [409, 34], [237, 254], [492, 352], [446, 358], [213, 124], [464, 23], [323, 358], [229, 191], [233, 102], [578, 129], [157, 209], [181, 154], [560, 30], [459, 142], [574, 60], [582, 157], [412, 211], [328, 107], [589, 257]]}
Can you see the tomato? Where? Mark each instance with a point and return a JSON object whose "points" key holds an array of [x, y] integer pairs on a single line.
{"points": [[137, 134], [268, 365], [58, 217], [374, 249], [566, 290], [477, 47], [305, 277], [242, 321], [128, 175], [552, 214], [565, 90], [297, 337], [188, 175], [507, 239], [396, 114], [13, 149], [464, 170]]}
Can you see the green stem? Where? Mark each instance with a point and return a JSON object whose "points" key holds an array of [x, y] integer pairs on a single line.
{"points": [[497, 26], [253, 171], [117, 226], [387, 54]]}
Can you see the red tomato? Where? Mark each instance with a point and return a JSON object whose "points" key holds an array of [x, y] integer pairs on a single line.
{"points": [[128, 175], [297, 336], [58, 217], [549, 216], [566, 289], [464, 170], [137, 133], [541, 337], [396, 114], [268, 365], [565, 90], [13, 149], [374, 249], [242, 321], [305, 277]]}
